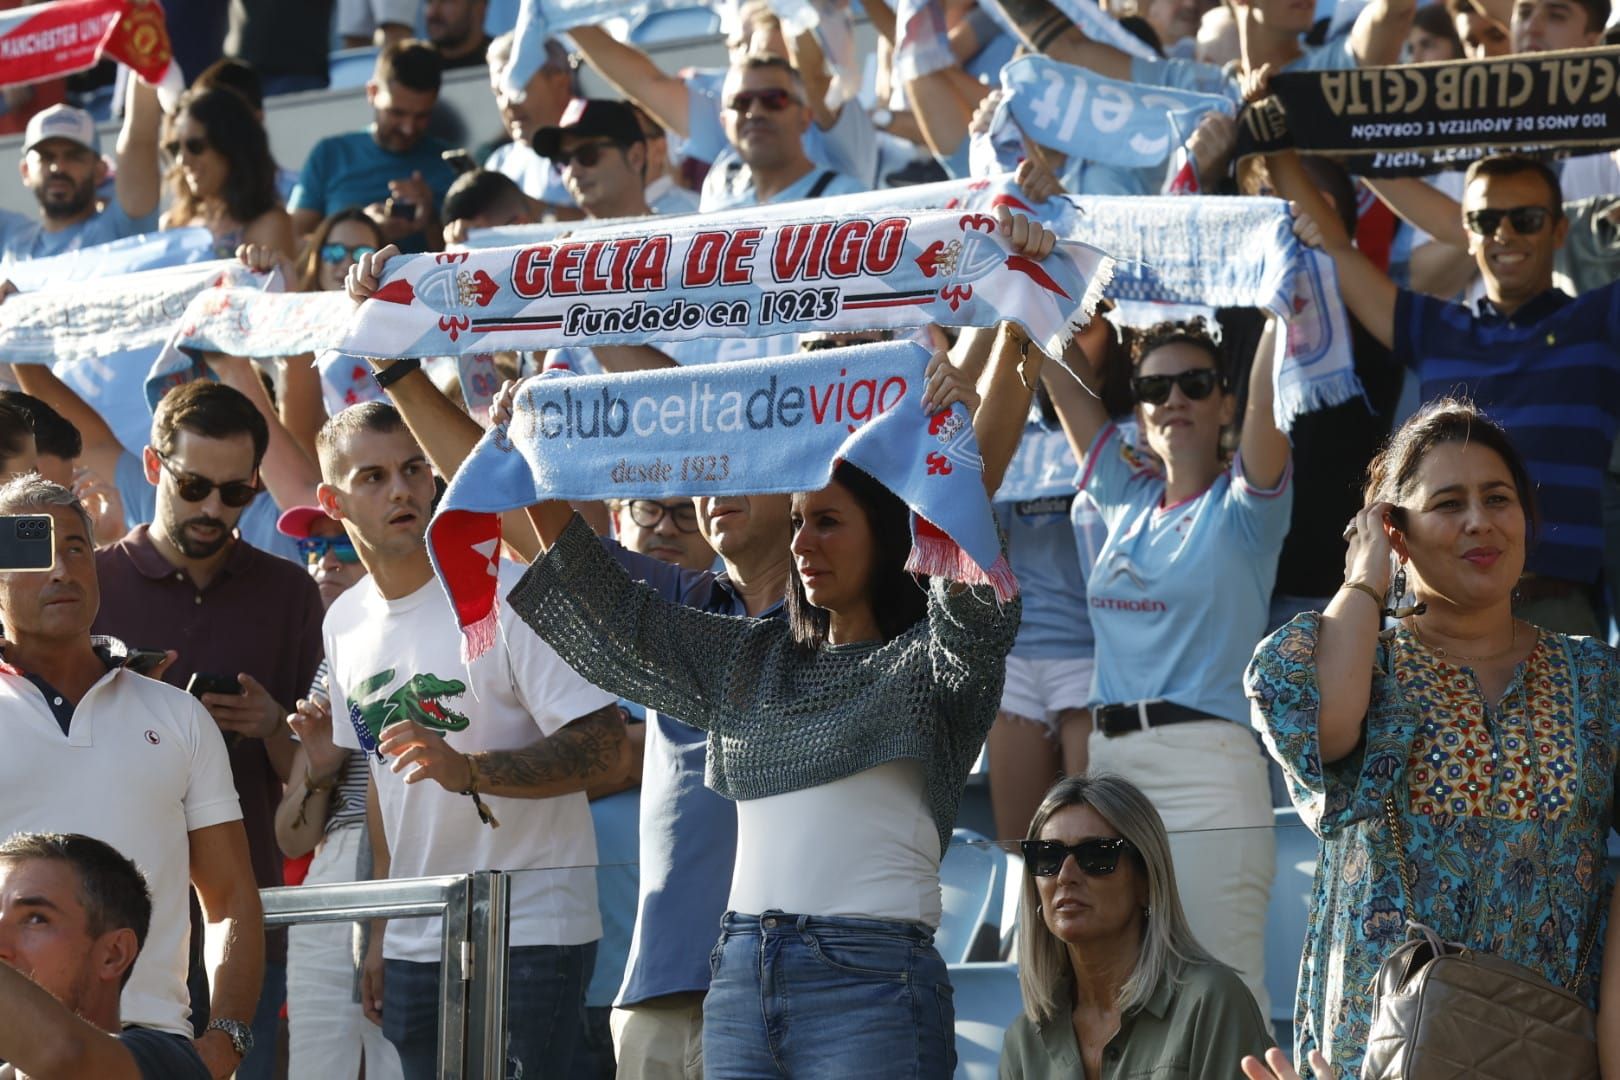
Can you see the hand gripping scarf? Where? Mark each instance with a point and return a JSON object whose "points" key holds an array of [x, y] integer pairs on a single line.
{"points": [[654, 280], [750, 427]]}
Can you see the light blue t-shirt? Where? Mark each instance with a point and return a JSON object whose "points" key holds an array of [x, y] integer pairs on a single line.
{"points": [[24, 238], [732, 188], [344, 171], [849, 146], [1045, 557], [1179, 594], [1333, 55], [257, 525]]}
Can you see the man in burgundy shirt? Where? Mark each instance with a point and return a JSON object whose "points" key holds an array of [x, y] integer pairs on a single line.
{"points": [[186, 582]]}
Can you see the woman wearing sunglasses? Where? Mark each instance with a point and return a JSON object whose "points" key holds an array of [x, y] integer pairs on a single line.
{"points": [[1114, 982], [221, 173], [1178, 596]]}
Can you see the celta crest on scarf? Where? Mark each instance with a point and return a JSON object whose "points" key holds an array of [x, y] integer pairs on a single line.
{"points": [[1424, 118], [1086, 115], [750, 427], [50, 40], [736, 276]]}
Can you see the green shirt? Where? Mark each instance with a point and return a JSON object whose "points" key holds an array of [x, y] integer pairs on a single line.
{"points": [[1201, 1027]]}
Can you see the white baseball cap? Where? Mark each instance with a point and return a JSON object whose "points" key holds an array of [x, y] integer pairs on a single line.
{"points": [[62, 122]]}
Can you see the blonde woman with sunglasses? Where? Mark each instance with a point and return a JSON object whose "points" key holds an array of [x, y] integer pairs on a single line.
{"points": [[1178, 597], [1114, 982]]}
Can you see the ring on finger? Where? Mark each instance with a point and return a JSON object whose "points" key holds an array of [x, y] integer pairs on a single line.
{"points": [[1350, 530]]}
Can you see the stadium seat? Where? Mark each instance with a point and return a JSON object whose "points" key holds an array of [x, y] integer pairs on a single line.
{"points": [[676, 24], [350, 68], [972, 877], [1010, 898], [987, 1001], [1285, 919]]}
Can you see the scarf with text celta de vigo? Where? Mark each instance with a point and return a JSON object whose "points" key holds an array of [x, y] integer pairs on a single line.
{"points": [[744, 428]]}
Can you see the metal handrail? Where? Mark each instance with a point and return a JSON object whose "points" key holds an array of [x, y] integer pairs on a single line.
{"points": [[474, 909]]}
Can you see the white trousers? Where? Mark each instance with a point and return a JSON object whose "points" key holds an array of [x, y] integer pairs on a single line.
{"points": [[1208, 781], [327, 1032]]}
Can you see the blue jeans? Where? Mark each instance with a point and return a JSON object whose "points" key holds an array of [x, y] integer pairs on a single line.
{"points": [[841, 999], [545, 1011]]}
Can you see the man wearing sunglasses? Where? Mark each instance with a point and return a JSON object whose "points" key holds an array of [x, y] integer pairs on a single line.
{"points": [[694, 104], [1540, 361], [190, 583]]}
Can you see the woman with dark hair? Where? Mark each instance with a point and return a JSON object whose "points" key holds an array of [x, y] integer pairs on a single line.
{"points": [[1179, 593], [337, 243], [1464, 749], [1114, 983], [221, 173]]}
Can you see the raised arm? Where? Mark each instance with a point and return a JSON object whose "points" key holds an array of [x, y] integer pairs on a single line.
{"points": [[1079, 409], [633, 73], [1367, 290], [1047, 30], [1380, 32], [139, 182], [1347, 640], [1425, 207], [289, 474], [942, 101], [1264, 449]]}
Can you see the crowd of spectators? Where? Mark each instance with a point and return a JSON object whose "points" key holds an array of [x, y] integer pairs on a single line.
{"points": [[1395, 611]]}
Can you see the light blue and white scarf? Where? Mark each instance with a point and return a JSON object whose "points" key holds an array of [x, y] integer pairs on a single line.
{"points": [[132, 254], [830, 22], [743, 275], [1090, 117], [1223, 251], [777, 425], [538, 20], [921, 47]]}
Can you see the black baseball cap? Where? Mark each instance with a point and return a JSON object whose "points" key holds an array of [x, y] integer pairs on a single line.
{"points": [[591, 116]]}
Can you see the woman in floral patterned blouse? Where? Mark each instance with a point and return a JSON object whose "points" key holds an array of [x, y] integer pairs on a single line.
{"points": [[1495, 739]]}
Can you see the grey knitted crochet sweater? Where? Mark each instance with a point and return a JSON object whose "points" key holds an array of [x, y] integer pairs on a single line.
{"points": [[780, 719]]}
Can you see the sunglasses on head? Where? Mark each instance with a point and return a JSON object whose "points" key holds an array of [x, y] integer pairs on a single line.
{"points": [[232, 493], [333, 254], [1526, 220], [1197, 384], [586, 155], [196, 146], [648, 513], [315, 548], [1095, 857], [772, 100]]}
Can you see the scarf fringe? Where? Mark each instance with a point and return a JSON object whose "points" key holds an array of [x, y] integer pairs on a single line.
{"points": [[939, 556], [1296, 397], [478, 636]]}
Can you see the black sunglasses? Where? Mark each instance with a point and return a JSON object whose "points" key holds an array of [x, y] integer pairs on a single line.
{"points": [[585, 154], [196, 146], [1526, 220], [648, 513], [773, 100], [1197, 384], [232, 493], [1095, 857]]}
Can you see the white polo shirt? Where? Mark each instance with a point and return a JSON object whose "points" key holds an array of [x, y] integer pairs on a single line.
{"points": [[142, 765], [397, 659]]}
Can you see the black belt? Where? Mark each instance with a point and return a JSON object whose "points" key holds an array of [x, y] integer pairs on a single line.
{"points": [[1114, 720]]}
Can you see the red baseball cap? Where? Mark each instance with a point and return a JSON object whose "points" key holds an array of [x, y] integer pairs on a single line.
{"points": [[296, 522]]}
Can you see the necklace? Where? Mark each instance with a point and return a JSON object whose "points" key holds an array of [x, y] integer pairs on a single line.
{"points": [[1513, 642]]}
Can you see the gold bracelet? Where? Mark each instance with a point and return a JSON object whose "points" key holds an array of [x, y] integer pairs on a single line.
{"points": [[1363, 587], [313, 786]]}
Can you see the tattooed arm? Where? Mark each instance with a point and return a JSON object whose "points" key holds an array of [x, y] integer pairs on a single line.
{"points": [[590, 751]]}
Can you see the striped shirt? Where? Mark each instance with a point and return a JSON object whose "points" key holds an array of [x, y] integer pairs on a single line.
{"points": [[1550, 374]]}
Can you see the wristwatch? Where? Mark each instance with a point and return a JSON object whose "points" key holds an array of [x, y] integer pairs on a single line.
{"points": [[241, 1035]]}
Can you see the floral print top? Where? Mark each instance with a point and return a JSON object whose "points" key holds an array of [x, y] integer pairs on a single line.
{"points": [[1507, 809]]}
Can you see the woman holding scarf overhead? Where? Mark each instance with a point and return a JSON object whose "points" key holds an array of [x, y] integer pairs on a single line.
{"points": [[1178, 597], [845, 735]]}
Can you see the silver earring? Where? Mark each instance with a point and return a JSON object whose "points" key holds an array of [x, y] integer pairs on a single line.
{"points": [[1397, 594]]}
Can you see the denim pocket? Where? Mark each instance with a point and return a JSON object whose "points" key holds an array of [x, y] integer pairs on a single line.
{"points": [[875, 956]]}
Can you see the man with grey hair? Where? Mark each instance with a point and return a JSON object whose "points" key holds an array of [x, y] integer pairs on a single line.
{"points": [[93, 747], [546, 96]]}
